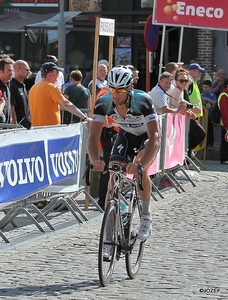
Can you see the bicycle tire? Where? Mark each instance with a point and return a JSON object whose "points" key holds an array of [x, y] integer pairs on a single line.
{"points": [[106, 266], [133, 257]]}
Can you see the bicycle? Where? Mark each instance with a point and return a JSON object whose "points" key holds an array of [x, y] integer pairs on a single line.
{"points": [[119, 231]]}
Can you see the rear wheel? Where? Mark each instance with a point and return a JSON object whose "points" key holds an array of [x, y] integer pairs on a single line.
{"points": [[133, 257], [108, 244]]}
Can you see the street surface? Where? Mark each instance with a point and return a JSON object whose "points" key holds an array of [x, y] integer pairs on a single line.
{"points": [[185, 258]]}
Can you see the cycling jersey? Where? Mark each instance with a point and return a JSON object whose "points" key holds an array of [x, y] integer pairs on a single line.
{"points": [[140, 112]]}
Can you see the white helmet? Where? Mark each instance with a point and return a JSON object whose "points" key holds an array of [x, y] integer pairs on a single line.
{"points": [[120, 77]]}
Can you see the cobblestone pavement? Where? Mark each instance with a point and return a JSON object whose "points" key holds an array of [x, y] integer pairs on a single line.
{"points": [[185, 258]]}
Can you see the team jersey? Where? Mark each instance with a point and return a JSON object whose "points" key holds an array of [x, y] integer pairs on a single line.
{"points": [[140, 112]]}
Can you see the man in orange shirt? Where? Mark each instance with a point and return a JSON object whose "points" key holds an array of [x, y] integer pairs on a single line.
{"points": [[45, 99]]}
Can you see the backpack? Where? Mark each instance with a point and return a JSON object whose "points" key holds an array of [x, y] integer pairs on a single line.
{"points": [[216, 114]]}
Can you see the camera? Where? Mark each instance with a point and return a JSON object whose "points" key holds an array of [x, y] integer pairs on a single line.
{"points": [[189, 105]]}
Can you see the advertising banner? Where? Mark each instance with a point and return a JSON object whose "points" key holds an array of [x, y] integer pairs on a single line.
{"points": [[191, 13], [32, 160], [175, 141]]}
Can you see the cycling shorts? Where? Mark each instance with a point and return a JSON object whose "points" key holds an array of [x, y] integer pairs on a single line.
{"points": [[127, 145]]}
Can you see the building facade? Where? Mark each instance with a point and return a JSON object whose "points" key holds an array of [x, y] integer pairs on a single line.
{"points": [[207, 47]]}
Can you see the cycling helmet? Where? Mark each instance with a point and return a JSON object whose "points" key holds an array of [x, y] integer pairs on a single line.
{"points": [[120, 77]]}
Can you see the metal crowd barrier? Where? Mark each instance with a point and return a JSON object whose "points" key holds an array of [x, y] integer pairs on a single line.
{"points": [[168, 173], [67, 198]]}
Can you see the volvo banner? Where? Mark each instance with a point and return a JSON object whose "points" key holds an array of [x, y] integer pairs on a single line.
{"points": [[191, 13], [32, 160]]}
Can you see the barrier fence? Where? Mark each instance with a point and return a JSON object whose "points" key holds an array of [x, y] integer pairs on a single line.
{"points": [[43, 163], [48, 163]]}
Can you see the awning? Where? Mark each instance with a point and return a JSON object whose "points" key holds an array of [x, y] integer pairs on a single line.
{"points": [[15, 21], [37, 26], [52, 23], [47, 31]]}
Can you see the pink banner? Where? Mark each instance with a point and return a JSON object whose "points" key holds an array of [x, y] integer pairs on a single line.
{"points": [[175, 141], [192, 13]]}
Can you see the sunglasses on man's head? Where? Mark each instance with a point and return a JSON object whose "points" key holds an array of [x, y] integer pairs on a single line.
{"points": [[183, 80], [118, 91]]}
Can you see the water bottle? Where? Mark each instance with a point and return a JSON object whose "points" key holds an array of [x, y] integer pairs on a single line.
{"points": [[123, 209]]}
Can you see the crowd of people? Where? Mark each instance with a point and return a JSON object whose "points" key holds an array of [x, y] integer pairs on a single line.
{"points": [[124, 118]]}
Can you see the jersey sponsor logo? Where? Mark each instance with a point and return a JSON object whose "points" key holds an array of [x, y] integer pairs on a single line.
{"points": [[131, 125], [129, 118], [120, 148], [153, 117], [100, 104]]}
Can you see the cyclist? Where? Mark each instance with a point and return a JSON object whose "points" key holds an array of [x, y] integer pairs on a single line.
{"points": [[132, 110]]}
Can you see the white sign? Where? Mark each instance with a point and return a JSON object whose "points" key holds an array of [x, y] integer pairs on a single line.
{"points": [[107, 27]]}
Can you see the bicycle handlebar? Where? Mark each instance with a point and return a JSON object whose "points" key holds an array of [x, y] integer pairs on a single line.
{"points": [[115, 168]]}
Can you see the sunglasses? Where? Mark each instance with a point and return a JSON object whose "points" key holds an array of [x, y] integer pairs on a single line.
{"points": [[183, 80], [26, 69], [118, 91]]}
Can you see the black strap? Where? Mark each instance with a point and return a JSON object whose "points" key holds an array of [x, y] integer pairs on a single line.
{"points": [[169, 96]]}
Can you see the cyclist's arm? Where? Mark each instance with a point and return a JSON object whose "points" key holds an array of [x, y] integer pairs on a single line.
{"points": [[94, 137], [152, 145]]}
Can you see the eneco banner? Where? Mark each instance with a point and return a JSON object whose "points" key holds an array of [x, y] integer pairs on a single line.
{"points": [[191, 13], [31, 160]]}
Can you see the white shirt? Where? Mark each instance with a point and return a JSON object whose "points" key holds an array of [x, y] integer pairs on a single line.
{"points": [[160, 99], [99, 85]]}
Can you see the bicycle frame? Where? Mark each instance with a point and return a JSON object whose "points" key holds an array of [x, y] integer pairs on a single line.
{"points": [[119, 180], [119, 231]]}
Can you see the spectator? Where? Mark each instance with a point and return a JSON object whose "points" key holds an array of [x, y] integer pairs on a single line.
{"points": [[45, 99], [6, 74], [77, 94], [218, 85], [19, 97], [196, 131], [223, 105], [195, 72], [171, 67], [177, 94], [101, 85], [60, 79], [135, 73], [209, 100], [160, 97], [89, 77], [101, 82]]}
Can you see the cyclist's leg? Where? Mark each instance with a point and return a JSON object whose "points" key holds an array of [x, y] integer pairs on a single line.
{"points": [[121, 153], [146, 181], [146, 220]]}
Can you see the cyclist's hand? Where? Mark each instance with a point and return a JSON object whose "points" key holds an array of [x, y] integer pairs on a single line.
{"points": [[98, 165], [132, 168]]}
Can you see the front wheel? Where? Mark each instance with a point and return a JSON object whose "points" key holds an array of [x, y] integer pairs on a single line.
{"points": [[133, 257], [108, 244]]}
